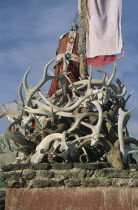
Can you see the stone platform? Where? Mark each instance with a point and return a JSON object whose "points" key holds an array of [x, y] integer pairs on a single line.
{"points": [[68, 186]]}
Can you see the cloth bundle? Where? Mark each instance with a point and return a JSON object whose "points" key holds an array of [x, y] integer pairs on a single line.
{"points": [[73, 66]]}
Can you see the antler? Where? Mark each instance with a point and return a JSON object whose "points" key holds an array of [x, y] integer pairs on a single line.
{"points": [[88, 93], [94, 137], [122, 115], [30, 92]]}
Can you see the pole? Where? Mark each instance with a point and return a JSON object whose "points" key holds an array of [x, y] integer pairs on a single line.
{"points": [[82, 12]]}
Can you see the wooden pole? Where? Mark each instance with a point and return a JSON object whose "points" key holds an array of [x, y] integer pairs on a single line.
{"points": [[82, 11]]}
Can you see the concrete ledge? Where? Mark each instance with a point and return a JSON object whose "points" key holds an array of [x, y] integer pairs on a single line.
{"points": [[80, 198]]}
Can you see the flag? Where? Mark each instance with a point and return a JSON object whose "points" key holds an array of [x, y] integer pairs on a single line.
{"points": [[104, 37]]}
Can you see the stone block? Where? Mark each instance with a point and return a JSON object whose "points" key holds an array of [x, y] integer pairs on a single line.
{"points": [[89, 173], [133, 166], [72, 182], [133, 174], [7, 168], [15, 175], [13, 167], [91, 166], [45, 174], [90, 182], [124, 182], [12, 183], [42, 183], [41, 166], [61, 174], [28, 174], [111, 173], [62, 166]]}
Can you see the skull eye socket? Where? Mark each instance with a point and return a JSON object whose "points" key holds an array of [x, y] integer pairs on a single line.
{"points": [[104, 89]]}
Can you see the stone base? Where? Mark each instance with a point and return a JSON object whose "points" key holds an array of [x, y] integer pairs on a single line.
{"points": [[67, 186], [70, 175], [75, 198]]}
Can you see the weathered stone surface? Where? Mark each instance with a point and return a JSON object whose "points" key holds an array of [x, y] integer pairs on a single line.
{"points": [[125, 182], [133, 166], [45, 174], [133, 174], [66, 174], [12, 183], [72, 182], [91, 166], [15, 175], [62, 166], [28, 174], [9, 167], [90, 182], [61, 174], [41, 183], [12, 167], [111, 173], [17, 183], [41, 166]]}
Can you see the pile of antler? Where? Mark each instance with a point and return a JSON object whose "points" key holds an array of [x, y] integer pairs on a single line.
{"points": [[85, 121]]}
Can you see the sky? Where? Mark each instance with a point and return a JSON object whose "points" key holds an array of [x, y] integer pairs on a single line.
{"points": [[29, 34]]}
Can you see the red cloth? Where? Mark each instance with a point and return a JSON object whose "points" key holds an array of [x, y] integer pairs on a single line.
{"points": [[73, 66], [99, 61], [33, 123]]}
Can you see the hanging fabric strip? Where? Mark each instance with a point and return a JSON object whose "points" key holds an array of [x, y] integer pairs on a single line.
{"points": [[104, 36]]}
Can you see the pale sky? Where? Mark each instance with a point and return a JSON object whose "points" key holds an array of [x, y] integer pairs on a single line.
{"points": [[29, 33]]}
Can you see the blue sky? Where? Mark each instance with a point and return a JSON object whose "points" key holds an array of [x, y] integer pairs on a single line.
{"points": [[29, 33]]}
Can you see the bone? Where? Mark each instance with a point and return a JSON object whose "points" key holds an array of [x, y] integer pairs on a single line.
{"points": [[89, 93], [31, 91], [45, 144], [113, 75], [19, 138], [20, 93], [77, 118], [59, 119], [97, 128], [122, 115]]}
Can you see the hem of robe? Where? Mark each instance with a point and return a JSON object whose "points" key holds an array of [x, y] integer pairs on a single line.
{"points": [[93, 55], [100, 61]]}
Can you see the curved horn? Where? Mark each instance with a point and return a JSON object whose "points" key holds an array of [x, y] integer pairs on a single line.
{"points": [[113, 74], [20, 93], [19, 138]]}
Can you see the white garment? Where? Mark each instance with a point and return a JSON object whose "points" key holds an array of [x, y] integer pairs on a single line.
{"points": [[104, 36]]}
